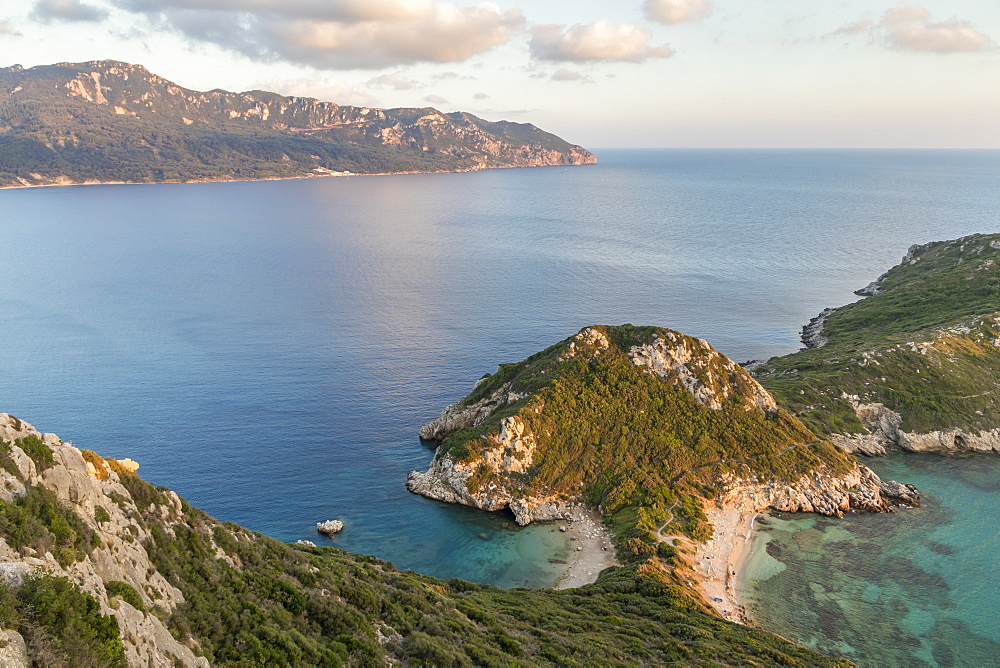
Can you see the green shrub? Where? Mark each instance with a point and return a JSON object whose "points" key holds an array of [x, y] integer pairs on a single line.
{"points": [[125, 592], [40, 521], [40, 453], [63, 625]]}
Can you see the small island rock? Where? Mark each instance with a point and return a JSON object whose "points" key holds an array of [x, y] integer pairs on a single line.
{"points": [[330, 527]]}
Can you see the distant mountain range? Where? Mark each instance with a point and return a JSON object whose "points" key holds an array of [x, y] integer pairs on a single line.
{"points": [[109, 121]]}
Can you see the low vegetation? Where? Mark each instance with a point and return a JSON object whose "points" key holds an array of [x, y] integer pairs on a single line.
{"points": [[267, 603], [925, 346], [61, 625], [40, 522], [640, 447]]}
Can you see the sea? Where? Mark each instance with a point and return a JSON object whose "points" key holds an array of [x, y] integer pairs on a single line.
{"points": [[270, 349]]}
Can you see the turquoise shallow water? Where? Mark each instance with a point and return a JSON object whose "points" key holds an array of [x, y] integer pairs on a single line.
{"points": [[918, 587]]}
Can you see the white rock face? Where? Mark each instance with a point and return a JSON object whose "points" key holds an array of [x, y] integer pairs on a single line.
{"points": [[588, 339], [694, 365], [821, 492], [13, 652], [120, 555], [330, 527], [457, 416], [511, 450], [882, 432]]}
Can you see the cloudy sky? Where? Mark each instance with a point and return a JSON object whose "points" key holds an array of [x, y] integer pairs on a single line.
{"points": [[603, 73]]}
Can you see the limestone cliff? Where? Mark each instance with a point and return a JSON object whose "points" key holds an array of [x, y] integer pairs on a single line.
{"points": [[822, 492], [92, 490], [509, 451], [630, 417], [914, 365], [883, 433]]}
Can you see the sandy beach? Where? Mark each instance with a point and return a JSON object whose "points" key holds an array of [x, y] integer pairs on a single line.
{"points": [[720, 561], [591, 550]]}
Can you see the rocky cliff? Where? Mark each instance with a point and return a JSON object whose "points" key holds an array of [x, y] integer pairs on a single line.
{"points": [[914, 365], [631, 419], [104, 508], [113, 121]]}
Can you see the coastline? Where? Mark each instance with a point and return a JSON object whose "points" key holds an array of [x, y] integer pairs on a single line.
{"points": [[69, 184], [590, 550], [720, 562]]}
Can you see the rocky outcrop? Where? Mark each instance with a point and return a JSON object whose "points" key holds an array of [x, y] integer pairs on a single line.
{"points": [[869, 290], [485, 482], [13, 651], [693, 364], [883, 433], [330, 527], [812, 333], [119, 556], [460, 415], [821, 491]]}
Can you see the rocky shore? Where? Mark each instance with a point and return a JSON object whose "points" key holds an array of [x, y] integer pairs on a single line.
{"points": [[511, 451], [812, 333], [883, 433], [591, 550]]}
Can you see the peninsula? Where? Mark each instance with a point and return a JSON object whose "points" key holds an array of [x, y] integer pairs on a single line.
{"points": [[109, 121], [914, 365]]}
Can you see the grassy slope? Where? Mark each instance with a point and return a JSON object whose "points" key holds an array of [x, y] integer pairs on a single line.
{"points": [[944, 301], [253, 600], [635, 444]]}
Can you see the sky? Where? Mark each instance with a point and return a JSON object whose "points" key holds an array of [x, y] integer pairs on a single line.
{"points": [[601, 73]]}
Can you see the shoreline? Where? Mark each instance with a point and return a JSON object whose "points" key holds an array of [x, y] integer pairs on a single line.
{"points": [[590, 550], [720, 562], [70, 184]]}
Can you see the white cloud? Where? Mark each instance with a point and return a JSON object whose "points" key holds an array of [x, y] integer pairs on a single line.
{"points": [[855, 28], [340, 34], [567, 75], [47, 11], [393, 80], [435, 99], [481, 96], [601, 40], [6, 29], [676, 11], [318, 10], [330, 90], [911, 27]]}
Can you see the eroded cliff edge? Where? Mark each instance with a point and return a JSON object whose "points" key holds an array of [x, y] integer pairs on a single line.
{"points": [[636, 421], [914, 365], [100, 543]]}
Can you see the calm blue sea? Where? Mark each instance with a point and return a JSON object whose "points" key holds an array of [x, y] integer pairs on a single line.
{"points": [[270, 349]]}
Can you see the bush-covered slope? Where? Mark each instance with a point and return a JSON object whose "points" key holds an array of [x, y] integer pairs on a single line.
{"points": [[642, 422], [158, 582], [926, 346], [113, 121]]}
